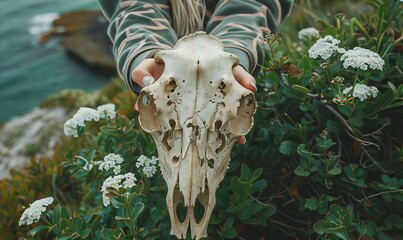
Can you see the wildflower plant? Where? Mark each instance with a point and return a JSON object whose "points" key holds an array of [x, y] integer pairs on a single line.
{"points": [[34, 211], [332, 116]]}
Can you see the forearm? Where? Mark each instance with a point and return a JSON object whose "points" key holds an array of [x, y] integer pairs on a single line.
{"points": [[242, 24], [138, 29]]}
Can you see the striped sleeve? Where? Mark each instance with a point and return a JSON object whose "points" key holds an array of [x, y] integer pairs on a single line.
{"points": [[242, 24], [138, 29]]}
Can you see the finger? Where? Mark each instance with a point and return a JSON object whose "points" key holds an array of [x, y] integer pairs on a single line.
{"points": [[244, 78], [139, 74], [241, 140], [136, 107], [147, 81], [145, 73]]}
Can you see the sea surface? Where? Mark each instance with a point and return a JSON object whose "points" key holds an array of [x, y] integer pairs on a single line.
{"points": [[29, 71]]}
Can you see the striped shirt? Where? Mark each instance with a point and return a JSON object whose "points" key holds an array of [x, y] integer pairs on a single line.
{"points": [[139, 29]]}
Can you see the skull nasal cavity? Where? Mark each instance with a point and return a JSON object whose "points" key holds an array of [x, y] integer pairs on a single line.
{"points": [[222, 88], [171, 86]]}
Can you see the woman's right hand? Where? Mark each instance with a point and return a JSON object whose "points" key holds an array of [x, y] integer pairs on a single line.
{"points": [[147, 71]]}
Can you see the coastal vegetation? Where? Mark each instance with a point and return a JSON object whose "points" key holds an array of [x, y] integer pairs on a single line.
{"points": [[324, 159]]}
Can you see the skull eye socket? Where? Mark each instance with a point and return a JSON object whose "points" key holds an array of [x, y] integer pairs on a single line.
{"points": [[145, 100], [244, 121], [148, 117]]}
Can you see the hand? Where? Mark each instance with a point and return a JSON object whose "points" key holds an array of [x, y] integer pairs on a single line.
{"points": [[148, 70]]}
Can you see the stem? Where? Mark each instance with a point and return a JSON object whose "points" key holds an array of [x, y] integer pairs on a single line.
{"points": [[330, 81], [132, 226], [380, 193], [44, 219]]}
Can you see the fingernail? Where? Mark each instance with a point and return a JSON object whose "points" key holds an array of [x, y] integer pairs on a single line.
{"points": [[243, 142], [148, 80], [253, 85]]}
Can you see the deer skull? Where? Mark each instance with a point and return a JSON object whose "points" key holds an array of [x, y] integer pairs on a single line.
{"points": [[195, 112]]}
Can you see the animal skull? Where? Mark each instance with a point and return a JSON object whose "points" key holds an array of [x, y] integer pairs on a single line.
{"points": [[195, 112]]}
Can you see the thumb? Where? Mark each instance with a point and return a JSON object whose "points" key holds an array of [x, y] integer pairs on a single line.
{"points": [[146, 72], [244, 78]]}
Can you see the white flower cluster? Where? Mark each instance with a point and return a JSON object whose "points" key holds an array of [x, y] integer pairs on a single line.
{"points": [[34, 211], [325, 47], [87, 114], [148, 165], [362, 91], [111, 161], [308, 33], [107, 110], [362, 58], [125, 181]]}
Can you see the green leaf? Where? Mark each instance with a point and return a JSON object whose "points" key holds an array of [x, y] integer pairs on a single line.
{"points": [[320, 227], [236, 187], [85, 233], [258, 185], [108, 234], [334, 126], [300, 88], [342, 234], [56, 214], [311, 203], [386, 179], [137, 210], [37, 230], [76, 224], [288, 148], [394, 90], [303, 152], [65, 213], [257, 173], [335, 171], [299, 171], [245, 171], [229, 223], [394, 220], [346, 110], [356, 121], [305, 64], [63, 224]]}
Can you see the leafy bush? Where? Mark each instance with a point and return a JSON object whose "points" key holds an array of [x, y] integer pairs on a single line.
{"points": [[323, 161]]}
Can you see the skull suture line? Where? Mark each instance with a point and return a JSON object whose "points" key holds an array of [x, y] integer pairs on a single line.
{"points": [[195, 112]]}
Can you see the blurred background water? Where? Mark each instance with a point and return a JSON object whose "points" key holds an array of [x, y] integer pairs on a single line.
{"points": [[30, 71]]}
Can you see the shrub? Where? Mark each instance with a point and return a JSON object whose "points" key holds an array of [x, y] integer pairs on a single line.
{"points": [[323, 161]]}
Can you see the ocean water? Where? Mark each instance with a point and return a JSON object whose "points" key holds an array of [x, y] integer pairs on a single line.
{"points": [[29, 71]]}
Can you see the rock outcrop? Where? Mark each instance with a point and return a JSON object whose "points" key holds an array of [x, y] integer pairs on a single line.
{"points": [[32, 135], [84, 35]]}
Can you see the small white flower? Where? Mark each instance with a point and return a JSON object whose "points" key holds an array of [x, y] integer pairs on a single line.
{"points": [[308, 33], [70, 128], [79, 118], [129, 180], [33, 213], [111, 161], [107, 110], [126, 181], [141, 161], [149, 171], [325, 47], [147, 165], [362, 58], [86, 113], [362, 91]]}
